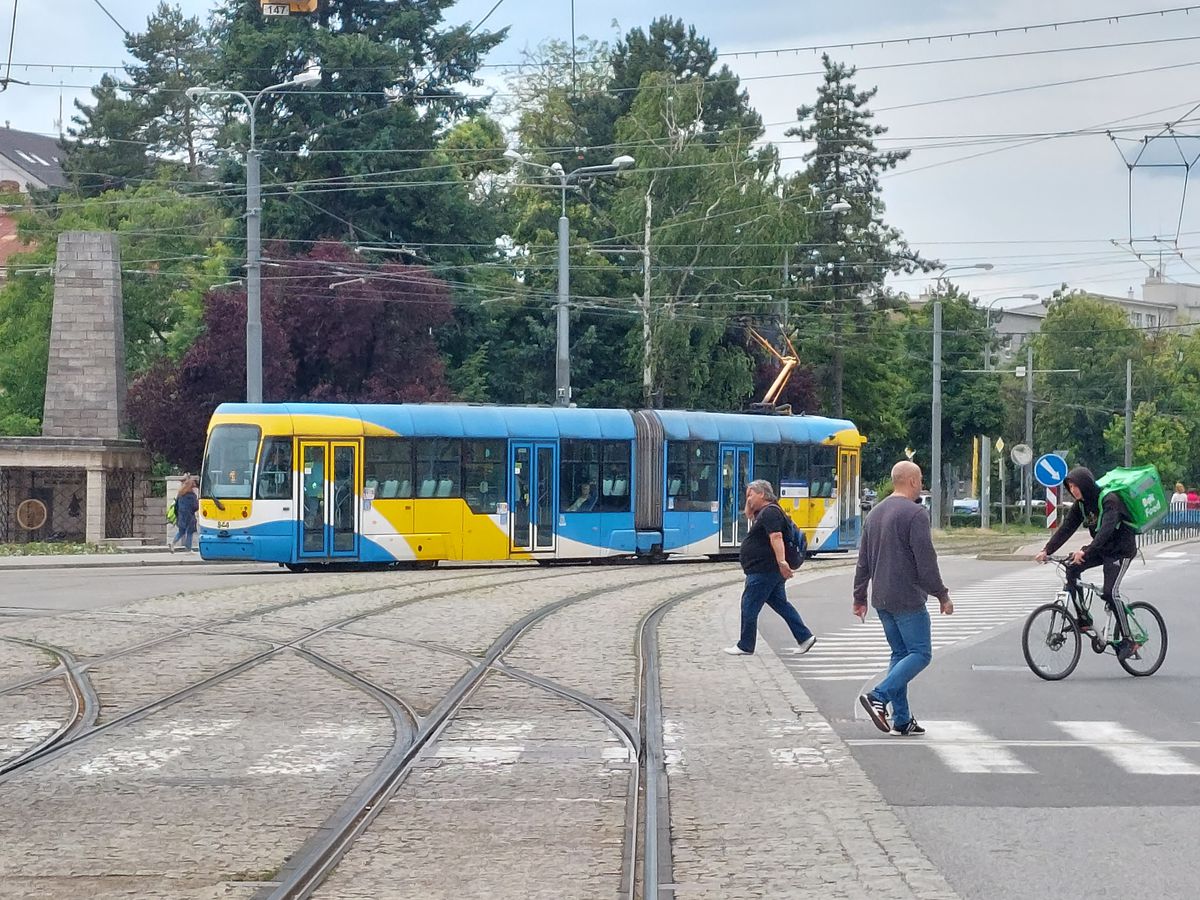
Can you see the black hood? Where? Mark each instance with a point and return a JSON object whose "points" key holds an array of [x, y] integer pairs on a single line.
{"points": [[1082, 478]]}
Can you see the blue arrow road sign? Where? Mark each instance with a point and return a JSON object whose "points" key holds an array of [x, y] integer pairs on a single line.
{"points": [[1050, 470]]}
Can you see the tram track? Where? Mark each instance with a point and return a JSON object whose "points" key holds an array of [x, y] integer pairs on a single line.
{"points": [[85, 705], [49, 750], [642, 737]]}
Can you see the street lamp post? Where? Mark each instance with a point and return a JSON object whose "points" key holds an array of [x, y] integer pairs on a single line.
{"points": [[563, 181], [985, 446], [308, 78], [935, 461]]}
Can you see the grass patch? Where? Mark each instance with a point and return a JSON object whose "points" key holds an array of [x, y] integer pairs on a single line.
{"points": [[47, 548]]}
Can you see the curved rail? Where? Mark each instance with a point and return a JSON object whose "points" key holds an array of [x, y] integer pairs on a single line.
{"points": [[85, 705], [313, 863], [48, 753]]}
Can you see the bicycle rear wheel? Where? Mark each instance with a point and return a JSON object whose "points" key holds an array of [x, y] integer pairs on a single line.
{"points": [[1051, 642], [1150, 633]]}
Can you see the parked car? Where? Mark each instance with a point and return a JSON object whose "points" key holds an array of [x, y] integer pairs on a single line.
{"points": [[868, 499]]}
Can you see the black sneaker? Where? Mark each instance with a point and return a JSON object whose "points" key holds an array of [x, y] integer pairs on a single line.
{"points": [[908, 729], [1085, 626], [877, 710], [1126, 649]]}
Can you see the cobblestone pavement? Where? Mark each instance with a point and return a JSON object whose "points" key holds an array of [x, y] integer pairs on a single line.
{"points": [[525, 793], [766, 800]]}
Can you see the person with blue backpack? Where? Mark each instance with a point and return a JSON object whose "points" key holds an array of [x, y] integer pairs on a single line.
{"points": [[771, 552]]}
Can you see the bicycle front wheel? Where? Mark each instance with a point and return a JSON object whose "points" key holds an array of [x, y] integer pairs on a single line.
{"points": [[1150, 634], [1051, 642]]}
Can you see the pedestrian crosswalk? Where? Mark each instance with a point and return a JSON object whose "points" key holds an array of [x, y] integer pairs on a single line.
{"points": [[859, 651], [967, 748]]}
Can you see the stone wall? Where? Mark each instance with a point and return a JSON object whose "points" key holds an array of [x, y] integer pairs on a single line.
{"points": [[85, 379]]}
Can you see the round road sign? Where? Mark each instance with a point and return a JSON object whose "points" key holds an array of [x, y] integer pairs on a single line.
{"points": [[1050, 470], [1022, 455]]}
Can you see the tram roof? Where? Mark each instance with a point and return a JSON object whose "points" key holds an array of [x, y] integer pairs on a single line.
{"points": [[692, 425], [454, 420], [535, 422]]}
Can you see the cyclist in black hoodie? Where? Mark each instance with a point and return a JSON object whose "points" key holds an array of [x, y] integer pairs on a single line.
{"points": [[1113, 546]]}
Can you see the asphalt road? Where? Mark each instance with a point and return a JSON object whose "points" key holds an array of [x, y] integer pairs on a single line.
{"points": [[1023, 788], [31, 592]]}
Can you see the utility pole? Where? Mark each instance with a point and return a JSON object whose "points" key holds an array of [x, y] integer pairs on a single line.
{"points": [[985, 459], [1027, 471], [562, 353], [935, 477], [1128, 412], [310, 77], [254, 391], [563, 181]]}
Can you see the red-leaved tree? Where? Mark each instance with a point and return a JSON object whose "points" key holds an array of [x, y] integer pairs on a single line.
{"points": [[369, 341]]}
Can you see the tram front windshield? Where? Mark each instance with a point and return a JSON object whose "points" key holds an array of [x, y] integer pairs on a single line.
{"points": [[229, 462]]}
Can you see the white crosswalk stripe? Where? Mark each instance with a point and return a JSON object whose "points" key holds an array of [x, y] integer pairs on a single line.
{"points": [[1131, 751], [965, 748], [859, 651]]}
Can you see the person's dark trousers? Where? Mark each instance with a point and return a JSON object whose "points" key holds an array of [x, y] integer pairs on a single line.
{"points": [[768, 589], [1114, 570]]}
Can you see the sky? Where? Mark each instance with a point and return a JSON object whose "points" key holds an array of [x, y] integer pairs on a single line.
{"points": [[994, 177]]}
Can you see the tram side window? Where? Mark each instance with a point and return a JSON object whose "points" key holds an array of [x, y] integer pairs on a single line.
{"points": [[766, 463], [439, 467], [484, 484], [824, 471], [275, 470], [615, 483], [579, 476], [691, 475], [794, 464], [388, 467]]}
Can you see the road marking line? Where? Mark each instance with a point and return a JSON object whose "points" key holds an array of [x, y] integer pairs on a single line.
{"points": [[962, 748], [1133, 752]]}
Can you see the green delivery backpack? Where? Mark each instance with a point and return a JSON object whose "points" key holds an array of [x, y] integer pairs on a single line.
{"points": [[1141, 490]]}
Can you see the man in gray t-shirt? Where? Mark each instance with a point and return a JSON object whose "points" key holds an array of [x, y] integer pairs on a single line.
{"points": [[896, 558]]}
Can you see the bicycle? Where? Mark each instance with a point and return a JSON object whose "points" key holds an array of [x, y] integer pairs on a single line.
{"points": [[1053, 640]]}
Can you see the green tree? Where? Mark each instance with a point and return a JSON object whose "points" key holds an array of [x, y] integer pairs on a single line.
{"points": [[674, 49], [971, 402], [1073, 411], [143, 123], [1159, 439], [357, 157], [852, 250], [171, 252]]}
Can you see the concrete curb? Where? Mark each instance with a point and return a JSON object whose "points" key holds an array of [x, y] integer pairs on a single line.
{"points": [[113, 561]]}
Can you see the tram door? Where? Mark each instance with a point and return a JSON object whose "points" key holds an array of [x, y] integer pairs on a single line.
{"points": [[735, 475], [847, 498], [532, 489], [329, 507]]}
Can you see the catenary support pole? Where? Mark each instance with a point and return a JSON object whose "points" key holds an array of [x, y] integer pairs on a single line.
{"points": [[562, 352], [1129, 412], [1027, 471], [935, 463], [254, 392]]}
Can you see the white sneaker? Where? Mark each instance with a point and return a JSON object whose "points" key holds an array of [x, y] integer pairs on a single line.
{"points": [[807, 645], [735, 650]]}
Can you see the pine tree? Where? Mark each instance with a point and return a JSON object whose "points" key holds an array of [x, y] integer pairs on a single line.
{"points": [[853, 250], [361, 148], [142, 123]]}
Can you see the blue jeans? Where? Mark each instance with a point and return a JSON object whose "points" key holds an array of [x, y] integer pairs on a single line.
{"points": [[184, 537], [768, 589], [912, 650]]}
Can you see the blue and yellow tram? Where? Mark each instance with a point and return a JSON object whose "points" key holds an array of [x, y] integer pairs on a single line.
{"points": [[306, 484]]}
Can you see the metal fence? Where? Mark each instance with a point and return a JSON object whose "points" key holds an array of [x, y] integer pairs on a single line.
{"points": [[1177, 525], [42, 505], [119, 504]]}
